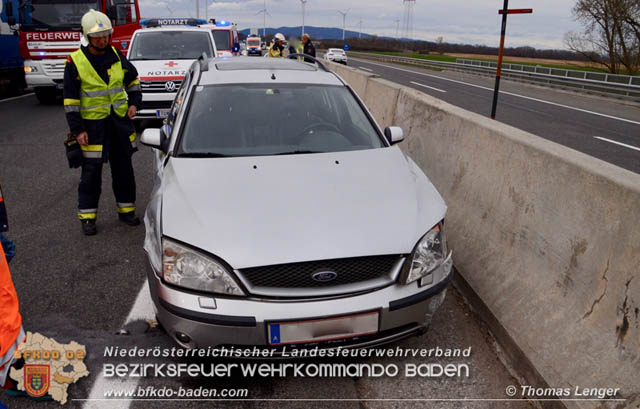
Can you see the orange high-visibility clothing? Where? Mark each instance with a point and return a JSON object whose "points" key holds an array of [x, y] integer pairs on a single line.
{"points": [[10, 318]]}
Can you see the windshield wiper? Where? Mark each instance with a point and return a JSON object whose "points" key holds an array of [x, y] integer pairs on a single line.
{"points": [[204, 155], [297, 152]]}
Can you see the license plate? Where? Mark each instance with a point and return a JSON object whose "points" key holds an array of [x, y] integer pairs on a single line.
{"points": [[162, 113], [58, 86], [327, 329]]}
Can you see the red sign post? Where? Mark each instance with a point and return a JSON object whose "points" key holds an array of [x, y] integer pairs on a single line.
{"points": [[504, 12]]}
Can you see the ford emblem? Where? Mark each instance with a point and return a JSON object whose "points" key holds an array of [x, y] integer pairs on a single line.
{"points": [[324, 276]]}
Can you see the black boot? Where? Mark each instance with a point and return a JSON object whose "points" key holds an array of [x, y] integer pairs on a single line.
{"points": [[89, 227], [130, 218]]}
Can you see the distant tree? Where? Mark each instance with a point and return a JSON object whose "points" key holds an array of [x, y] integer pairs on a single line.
{"points": [[440, 47], [611, 35]]}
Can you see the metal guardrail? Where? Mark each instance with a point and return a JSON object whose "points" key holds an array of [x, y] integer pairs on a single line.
{"points": [[622, 86]]}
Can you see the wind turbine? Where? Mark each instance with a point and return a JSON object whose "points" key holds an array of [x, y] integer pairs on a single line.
{"points": [[360, 32], [304, 3], [397, 21], [264, 12], [344, 19]]}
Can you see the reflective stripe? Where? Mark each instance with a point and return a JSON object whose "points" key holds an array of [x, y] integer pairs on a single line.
{"points": [[87, 210], [134, 82], [71, 101], [126, 209], [91, 155], [91, 148], [87, 216], [94, 107], [68, 108], [134, 88], [134, 144], [132, 137], [118, 104], [101, 93]]}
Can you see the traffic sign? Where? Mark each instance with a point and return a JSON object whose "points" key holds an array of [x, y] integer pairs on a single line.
{"points": [[346, 47]]}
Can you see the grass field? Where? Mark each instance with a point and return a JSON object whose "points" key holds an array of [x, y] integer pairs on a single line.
{"points": [[565, 65]]}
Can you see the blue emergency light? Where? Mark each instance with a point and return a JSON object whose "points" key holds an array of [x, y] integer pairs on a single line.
{"points": [[223, 23]]}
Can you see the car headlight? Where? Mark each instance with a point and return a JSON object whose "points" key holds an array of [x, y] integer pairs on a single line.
{"points": [[30, 68], [429, 254], [188, 268]]}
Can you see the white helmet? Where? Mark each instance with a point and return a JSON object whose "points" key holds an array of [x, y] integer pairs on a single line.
{"points": [[280, 37], [95, 24]]}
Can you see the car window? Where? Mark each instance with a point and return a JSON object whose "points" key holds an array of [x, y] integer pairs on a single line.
{"points": [[269, 119], [175, 45], [221, 38]]}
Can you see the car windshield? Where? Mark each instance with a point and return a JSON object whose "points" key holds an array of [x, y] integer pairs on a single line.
{"points": [[336, 51], [58, 13], [253, 41], [222, 39], [270, 119], [175, 45]]}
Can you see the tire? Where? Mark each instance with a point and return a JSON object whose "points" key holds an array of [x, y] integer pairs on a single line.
{"points": [[46, 95]]}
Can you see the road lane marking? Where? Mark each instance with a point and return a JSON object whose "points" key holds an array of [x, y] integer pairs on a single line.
{"points": [[426, 86], [618, 143], [18, 97], [142, 309], [512, 94], [366, 69]]}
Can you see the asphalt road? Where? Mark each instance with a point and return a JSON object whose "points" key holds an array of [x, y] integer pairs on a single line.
{"points": [[87, 289], [593, 125]]}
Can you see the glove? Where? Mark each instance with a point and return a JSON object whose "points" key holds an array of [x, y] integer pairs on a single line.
{"points": [[8, 247], [74, 152]]}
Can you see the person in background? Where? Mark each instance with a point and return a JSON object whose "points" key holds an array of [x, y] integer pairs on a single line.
{"points": [[308, 47], [277, 48]]}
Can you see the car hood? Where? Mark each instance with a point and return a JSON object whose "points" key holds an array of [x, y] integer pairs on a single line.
{"points": [[256, 211]]}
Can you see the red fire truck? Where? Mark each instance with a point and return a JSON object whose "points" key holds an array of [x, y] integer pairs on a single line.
{"points": [[50, 30]]}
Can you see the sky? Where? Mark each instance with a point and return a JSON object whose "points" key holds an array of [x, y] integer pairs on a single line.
{"points": [[457, 21]]}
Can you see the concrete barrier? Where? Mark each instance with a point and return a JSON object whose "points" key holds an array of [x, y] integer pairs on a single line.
{"points": [[547, 237]]}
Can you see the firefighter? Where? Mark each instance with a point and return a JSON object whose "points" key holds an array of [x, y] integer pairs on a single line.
{"points": [[277, 48], [101, 96]]}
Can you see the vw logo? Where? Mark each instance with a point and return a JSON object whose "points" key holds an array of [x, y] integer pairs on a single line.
{"points": [[324, 276], [170, 86]]}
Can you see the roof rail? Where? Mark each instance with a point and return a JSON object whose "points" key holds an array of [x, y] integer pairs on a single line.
{"points": [[203, 60], [309, 57]]}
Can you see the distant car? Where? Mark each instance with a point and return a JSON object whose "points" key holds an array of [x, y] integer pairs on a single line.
{"points": [[336, 55], [281, 214], [253, 46], [162, 55], [226, 37]]}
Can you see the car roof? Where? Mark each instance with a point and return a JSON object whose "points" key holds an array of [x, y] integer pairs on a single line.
{"points": [[234, 70], [214, 27], [171, 28]]}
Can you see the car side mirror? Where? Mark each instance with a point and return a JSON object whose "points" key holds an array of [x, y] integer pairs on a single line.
{"points": [[154, 137], [394, 134]]}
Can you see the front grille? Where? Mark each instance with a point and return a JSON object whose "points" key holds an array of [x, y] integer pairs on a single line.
{"points": [[349, 271], [158, 86], [156, 104], [53, 69]]}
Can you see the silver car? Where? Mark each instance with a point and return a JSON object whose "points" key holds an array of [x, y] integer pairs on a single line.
{"points": [[281, 214]]}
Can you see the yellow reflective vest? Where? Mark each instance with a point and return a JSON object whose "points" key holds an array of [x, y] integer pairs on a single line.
{"points": [[97, 97]]}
